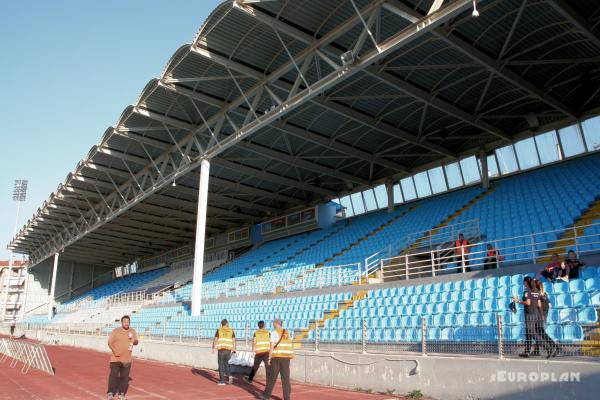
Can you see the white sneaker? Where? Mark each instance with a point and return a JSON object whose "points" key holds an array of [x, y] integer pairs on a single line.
{"points": [[109, 396], [231, 380], [221, 384], [122, 396]]}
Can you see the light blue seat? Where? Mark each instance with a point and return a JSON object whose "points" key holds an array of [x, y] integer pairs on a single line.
{"points": [[389, 335], [490, 305], [577, 286], [581, 299], [564, 301], [516, 280], [555, 332], [434, 333], [474, 319], [595, 299], [488, 318], [478, 305], [560, 287], [504, 281], [588, 272], [503, 303], [592, 284], [587, 315], [572, 333]]}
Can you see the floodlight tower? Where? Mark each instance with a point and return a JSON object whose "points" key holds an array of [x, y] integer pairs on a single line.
{"points": [[19, 195]]}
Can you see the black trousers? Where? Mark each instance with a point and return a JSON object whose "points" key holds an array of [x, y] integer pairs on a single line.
{"points": [[546, 339], [490, 263], [279, 366], [258, 359], [118, 380], [223, 359], [533, 322]]}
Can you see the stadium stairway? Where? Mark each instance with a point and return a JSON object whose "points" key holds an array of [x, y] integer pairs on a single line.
{"points": [[279, 289], [419, 242], [566, 240], [310, 271], [316, 243], [368, 235], [328, 315]]}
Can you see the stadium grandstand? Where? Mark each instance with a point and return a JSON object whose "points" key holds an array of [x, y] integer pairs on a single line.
{"points": [[316, 161]]}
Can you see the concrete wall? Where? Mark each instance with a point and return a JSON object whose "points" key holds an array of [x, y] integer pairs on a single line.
{"points": [[438, 377]]}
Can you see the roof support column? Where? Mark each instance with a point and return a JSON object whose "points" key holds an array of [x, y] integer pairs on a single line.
{"points": [[200, 232], [389, 186], [52, 287], [485, 179]]}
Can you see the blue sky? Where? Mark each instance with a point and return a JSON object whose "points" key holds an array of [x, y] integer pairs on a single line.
{"points": [[69, 68]]}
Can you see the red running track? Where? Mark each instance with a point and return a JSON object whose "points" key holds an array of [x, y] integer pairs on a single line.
{"points": [[82, 374]]}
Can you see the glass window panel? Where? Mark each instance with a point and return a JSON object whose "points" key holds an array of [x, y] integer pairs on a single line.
{"points": [[470, 169], [381, 196], [492, 166], [293, 219], [547, 145], [453, 175], [438, 182], [591, 132], [370, 202], [507, 160], [408, 188], [357, 203], [278, 223], [345, 202], [397, 194], [526, 153], [422, 184], [308, 215], [571, 141]]}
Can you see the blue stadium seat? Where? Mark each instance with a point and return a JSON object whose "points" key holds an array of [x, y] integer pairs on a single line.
{"points": [[564, 301], [587, 315], [595, 300], [572, 333], [592, 284], [576, 286], [581, 299]]}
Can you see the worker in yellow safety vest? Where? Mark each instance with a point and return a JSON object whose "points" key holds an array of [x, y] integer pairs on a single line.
{"points": [[224, 342], [280, 355], [261, 346]]}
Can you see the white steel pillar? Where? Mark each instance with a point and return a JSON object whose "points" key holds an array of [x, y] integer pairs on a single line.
{"points": [[200, 232], [485, 179], [52, 286], [389, 186]]}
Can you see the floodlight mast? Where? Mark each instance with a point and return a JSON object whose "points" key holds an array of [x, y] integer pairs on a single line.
{"points": [[19, 195]]}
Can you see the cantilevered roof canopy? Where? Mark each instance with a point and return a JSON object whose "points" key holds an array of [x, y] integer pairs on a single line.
{"points": [[265, 94]]}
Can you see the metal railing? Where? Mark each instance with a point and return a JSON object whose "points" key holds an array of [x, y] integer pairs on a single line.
{"points": [[422, 334], [531, 248], [326, 276], [432, 239], [29, 354], [134, 297]]}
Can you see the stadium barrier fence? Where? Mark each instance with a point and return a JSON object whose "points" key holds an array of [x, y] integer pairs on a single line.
{"points": [[496, 338], [29, 354]]}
